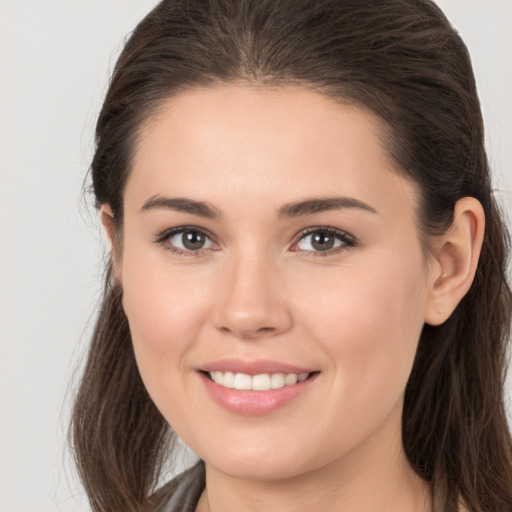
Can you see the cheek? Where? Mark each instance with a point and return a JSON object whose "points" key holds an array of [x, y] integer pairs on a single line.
{"points": [[155, 314], [370, 324], [166, 310], [163, 303]]}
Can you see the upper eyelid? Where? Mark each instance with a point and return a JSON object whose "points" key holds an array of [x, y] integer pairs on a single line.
{"points": [[167, 233], [346, 238], [327, 229]]}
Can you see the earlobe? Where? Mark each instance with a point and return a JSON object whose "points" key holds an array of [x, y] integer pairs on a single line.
{"points": [[455, 260], [107, 220]]}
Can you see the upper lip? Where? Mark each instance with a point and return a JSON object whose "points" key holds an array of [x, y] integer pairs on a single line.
{"points": [[254, 367]]}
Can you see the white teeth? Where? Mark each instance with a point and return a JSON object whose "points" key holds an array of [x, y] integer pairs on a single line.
{"points": [[291, 379], [262, 382], [277, 380], [224, 379], [228, 379], [243, 381]]}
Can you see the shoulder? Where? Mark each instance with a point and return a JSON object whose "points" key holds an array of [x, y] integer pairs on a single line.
{"points": [[181, 494]]}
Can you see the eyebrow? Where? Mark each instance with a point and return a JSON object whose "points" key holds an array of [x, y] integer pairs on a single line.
{"points": [[308, 206], [322, 204], [183, 204]]}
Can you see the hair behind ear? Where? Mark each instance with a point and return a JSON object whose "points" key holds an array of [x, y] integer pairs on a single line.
{"points": [[455, 428], [119, 437]]}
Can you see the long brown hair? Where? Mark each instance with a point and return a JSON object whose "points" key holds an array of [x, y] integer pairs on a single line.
{"points": [[404, 61]]}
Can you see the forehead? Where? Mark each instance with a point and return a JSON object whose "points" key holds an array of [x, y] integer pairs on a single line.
{"points": [[260, 143]]}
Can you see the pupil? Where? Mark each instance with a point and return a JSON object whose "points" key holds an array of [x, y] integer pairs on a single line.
{"points": [[322, 242], [192, 240]]}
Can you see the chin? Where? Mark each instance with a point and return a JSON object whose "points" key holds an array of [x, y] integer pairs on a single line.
{"points": [[265, 465]]}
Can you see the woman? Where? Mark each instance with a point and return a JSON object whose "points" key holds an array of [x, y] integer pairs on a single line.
{"points": [[307, 280]]}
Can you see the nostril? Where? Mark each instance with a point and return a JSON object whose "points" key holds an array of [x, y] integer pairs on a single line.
{"points": [[251, 322], [248, 334]]}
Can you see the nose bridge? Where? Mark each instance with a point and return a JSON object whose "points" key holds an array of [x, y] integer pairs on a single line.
{"points": [[253, 303]]}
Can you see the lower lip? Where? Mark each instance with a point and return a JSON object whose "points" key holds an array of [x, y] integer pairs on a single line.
{"points": [[255, 403]]}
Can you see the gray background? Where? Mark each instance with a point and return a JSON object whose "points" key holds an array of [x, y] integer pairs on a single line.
{"points": [[55, 61]]}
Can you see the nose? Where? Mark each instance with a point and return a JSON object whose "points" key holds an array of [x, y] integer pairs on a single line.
{"points": [[252, 302]]}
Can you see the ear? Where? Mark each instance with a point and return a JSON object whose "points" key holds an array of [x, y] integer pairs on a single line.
{"points": [[107, 219], [455, 258]]}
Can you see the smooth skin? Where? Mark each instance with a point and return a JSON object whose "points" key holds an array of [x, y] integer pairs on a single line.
{"points": [[255, 286]]}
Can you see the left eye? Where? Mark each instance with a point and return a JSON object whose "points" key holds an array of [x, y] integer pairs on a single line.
{"points": [[323, 240], [189, 240]]}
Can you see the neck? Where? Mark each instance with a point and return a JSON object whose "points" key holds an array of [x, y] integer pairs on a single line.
{"points": [[373, 476]]}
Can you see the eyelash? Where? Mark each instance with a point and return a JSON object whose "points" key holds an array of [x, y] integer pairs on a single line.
{"points": [[164, 237], [346, 239]]}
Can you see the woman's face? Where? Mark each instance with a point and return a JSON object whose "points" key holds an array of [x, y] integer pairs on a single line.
{"points": [[266, 234]]}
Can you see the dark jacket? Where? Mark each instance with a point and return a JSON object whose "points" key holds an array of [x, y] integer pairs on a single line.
{"points": [[182, 493]]}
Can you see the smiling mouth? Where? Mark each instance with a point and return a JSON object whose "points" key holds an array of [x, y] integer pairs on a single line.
{"points": [[260, 382]]}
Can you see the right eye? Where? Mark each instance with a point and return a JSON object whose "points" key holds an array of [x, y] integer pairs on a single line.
{"points": [[186, 241]]}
